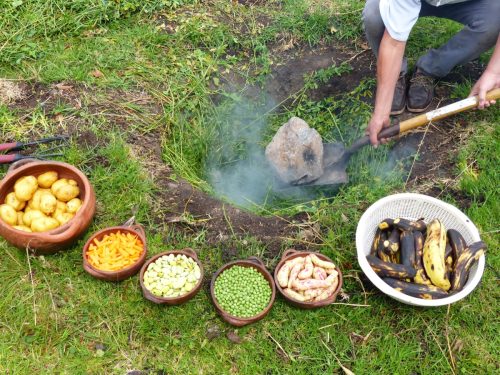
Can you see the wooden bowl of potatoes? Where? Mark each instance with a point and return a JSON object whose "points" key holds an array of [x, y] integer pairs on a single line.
{"points": [[45, 206]]}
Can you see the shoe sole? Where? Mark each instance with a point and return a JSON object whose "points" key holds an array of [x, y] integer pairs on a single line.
{"points": [[395, 113], [417, 110]]}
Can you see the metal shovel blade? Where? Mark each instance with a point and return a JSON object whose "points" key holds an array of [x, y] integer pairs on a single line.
{"points": [[335, 165]]}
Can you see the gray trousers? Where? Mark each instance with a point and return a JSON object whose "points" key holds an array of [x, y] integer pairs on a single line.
{"points": [[481, 20]]}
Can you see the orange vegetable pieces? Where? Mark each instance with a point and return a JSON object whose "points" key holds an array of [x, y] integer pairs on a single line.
{"points": [[115, 251]]}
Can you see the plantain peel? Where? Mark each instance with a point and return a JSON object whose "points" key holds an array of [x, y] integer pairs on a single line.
{"points": [[434, 251]]}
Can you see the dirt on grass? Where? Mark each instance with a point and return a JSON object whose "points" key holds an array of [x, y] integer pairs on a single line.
{"points": [[293, 63]]}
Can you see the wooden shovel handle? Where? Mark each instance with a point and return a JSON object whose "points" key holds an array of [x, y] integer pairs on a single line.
{"points": [[425, 118], [446, 111]]}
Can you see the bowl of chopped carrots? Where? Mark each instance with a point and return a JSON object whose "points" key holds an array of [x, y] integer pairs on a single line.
{"points": [[116, 253]]}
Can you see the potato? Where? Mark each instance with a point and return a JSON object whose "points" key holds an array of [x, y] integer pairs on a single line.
{"points": [[44, 224], [25, 187], [60, 209], [34, 202], [67, 192], [24, 228], [45, 180], [72, 182], [8, 214], [20, 215], [74, 205], [32, 215], [56, 185], [15, 203], [63, 217], [61, 206], [48, 203]]}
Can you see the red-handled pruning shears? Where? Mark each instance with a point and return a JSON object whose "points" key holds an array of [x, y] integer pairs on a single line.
{"points": [[18, 146]]}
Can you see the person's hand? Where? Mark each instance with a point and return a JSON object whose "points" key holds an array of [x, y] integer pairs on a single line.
{"points": [[375, 126], [488, 81]]}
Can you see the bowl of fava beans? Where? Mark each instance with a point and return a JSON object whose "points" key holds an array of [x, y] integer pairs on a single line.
{"points": [[243, 291], [172, 277]]}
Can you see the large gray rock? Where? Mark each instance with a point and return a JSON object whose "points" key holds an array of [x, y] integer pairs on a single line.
{"points": [[296, 152]]}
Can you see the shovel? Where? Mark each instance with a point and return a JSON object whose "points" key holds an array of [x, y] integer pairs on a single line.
{"points": [[336, 156]]}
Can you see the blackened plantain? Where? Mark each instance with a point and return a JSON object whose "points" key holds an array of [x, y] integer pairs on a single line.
{"points": [[457, 243], [447, 250], [449, 266], [386, 224], [408, 249], [416, 290], [405, 224], [421, 277], [376, 241], [387, 269], [392, 242], [382, 253], [462, 266]]}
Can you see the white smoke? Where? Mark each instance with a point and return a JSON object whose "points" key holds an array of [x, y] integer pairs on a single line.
{"points": [[236, 166]]}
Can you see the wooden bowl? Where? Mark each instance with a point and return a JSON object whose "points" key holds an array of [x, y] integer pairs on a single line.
{"points": [[291, 254], [172, 300], [49, 242], [124, 273], [253, 262]]}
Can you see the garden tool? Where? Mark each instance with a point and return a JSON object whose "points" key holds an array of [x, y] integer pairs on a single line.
{"points": [[336, 156], [11, 147]]}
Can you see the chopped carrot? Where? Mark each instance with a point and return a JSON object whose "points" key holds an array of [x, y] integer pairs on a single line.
{"points": [[114, 251]]}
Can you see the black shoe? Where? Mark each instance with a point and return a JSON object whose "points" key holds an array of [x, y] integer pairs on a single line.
{"points": [[420, 92], [399, 99]]}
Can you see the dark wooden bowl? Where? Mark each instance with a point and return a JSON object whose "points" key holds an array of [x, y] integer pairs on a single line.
{"points": [[49, 242], [253, 262], [126, 272], [172, 300], [291, 254]]}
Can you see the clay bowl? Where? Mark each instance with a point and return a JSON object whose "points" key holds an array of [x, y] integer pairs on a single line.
{"points": [[253, 262], [291, 254], [124, 273], [172, 300], [45, 243]]}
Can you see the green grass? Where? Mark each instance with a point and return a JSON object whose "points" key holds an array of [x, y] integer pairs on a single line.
{"points": [[57, 319]]}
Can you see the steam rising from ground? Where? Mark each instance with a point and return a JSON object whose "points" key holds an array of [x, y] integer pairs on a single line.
{"points": [[237, 169], [236, 166]]}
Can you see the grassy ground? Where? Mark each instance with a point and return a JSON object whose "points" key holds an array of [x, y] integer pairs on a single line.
{"points": [[54, 318]]}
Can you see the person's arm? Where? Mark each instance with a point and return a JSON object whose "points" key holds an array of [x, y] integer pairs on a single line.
{"points": [[489, 80], [389, 61]]}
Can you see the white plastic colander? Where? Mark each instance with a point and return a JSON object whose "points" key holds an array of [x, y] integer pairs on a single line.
{"points": [[414, 206]]}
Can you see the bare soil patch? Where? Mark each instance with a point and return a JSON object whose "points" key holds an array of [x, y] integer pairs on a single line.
{"points": [[293, 63]]}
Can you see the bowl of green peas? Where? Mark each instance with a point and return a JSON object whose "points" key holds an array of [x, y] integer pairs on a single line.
{"points": [[243, 291]]}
